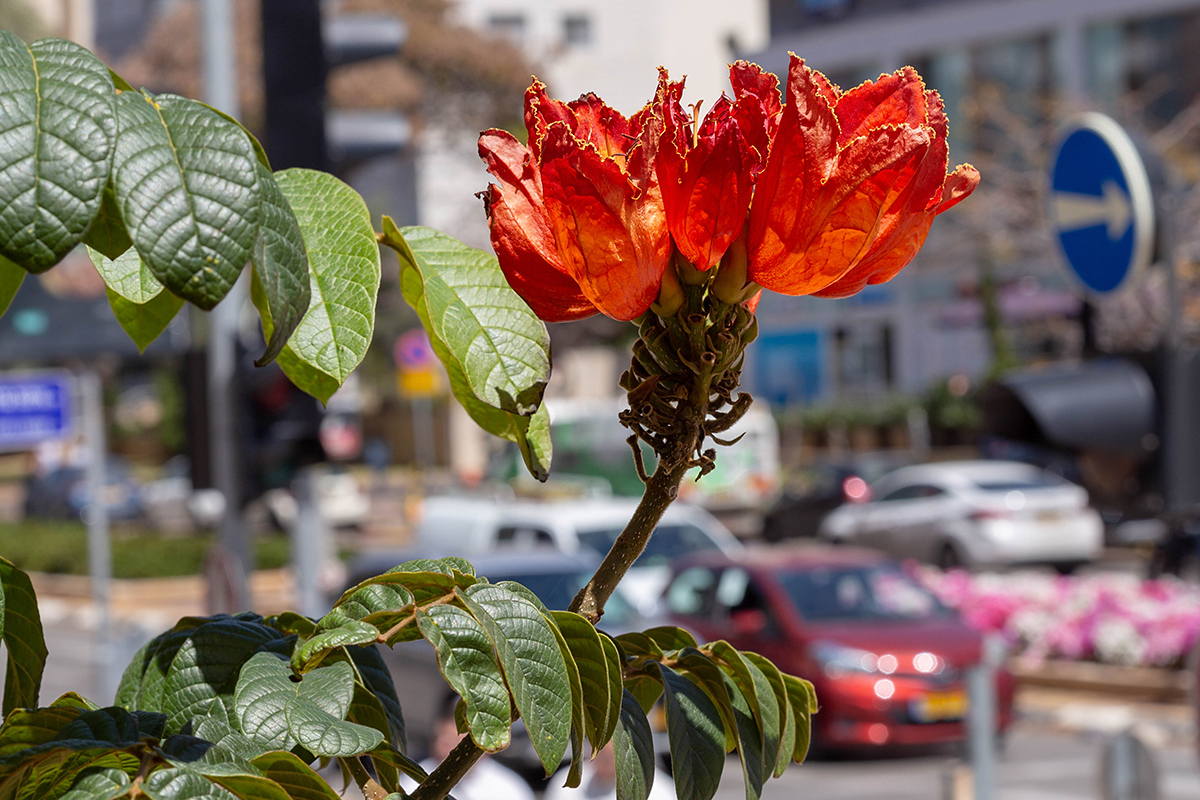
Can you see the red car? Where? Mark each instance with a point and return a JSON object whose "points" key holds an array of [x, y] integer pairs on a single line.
{"points": [[886, 658]]}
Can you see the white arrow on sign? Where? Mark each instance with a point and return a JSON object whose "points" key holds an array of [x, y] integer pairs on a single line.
{"points": [[1113, 209]]}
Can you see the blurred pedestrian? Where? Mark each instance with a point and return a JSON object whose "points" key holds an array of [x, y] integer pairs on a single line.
{"points": [[599, 781], [487, 780]]}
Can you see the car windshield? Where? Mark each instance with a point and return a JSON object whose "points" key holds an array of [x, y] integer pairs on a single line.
{"points": [[859, 593], [668, 543], [558, 589]]}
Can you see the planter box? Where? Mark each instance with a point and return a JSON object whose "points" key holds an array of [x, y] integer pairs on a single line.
{"points": [[1142, 683]]}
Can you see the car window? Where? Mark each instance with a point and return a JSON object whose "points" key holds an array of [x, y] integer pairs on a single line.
{"points": [[668, 543], [1047, 481], [737, 592], [912, 492], [859, 592], [690, 594], [521, 536]]}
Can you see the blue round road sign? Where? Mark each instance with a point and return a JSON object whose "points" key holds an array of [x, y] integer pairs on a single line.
{"points": [[1101, 206]]}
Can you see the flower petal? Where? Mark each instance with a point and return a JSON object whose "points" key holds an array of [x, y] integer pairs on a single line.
{"points": [[757, 107], [840, 221], [891, 100], [521, 234], [602, 126], [615, 248]]}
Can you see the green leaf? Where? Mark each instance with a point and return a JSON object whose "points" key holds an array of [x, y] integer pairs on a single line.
{"points": [[106, 784], [144, 322], [50, 775], [669, 637], [187, 187], [804, 704], [181, 784], [599, 673], [25, 728], [646, 689], [280, 288], [464, 656], [533, 666], [705, 673], [374, 675], [291, 622], [74, 700], [108, 233], [206, 666], [749, 738], [697, 737], [633, 751], [297, 779], [348, 632], [127, 276], [59, 128], [787, 738], [760, 696], [274, 708], [344, 273], [22, 635], [250, 787], [11, 277], [578, 710], [635, 643], [497, 376], [501, 345]]}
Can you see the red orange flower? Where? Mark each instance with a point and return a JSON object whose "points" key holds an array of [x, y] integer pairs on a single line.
{"points": [[822, 191], [577, 219]]}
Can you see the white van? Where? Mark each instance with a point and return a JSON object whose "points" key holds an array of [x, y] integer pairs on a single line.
{"points": [[473, 526]]}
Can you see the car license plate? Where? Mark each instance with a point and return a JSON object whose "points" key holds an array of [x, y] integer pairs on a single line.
{"points": [[939, 706], [1049, 516]]}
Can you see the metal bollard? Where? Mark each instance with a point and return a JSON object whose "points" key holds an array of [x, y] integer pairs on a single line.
{"points": [[1127, 770], [981, 717]]}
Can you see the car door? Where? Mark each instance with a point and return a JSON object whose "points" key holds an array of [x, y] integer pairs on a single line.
{"points": [[689, 600], [742, 615], [887, 517]]}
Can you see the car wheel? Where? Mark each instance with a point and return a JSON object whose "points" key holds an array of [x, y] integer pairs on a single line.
{"points": [[1067, 567], [948, 557]]}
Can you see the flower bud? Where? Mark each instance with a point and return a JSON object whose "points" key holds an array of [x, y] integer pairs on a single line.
{"points": [[688, 272], [730, 283], [670, 295]]}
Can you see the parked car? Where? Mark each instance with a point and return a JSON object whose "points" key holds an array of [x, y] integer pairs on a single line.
{"points": [[553, 577], [822, 488], [886, 658], [968, 513], [341, 502], [62, 493], [471, 526]]}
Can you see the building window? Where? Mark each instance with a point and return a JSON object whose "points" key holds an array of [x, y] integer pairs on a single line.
{"points": [[577, 29], [510, 26]]}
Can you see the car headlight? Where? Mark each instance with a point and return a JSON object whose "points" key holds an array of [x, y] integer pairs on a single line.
{"points": [[836, 660]]}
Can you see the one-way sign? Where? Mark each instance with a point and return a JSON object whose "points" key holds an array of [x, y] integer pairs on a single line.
{"points": [[1101, 205]]}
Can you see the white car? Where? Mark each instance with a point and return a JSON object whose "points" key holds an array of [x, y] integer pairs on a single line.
{"points": [[473, 526], [969, 513]]}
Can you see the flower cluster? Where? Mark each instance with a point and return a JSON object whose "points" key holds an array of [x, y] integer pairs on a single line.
{"points": [[815, 191], [1110, 618]]}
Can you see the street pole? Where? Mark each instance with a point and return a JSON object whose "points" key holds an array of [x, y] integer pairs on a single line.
{"points": [[981, 717], [228, 592], [98, 543]]}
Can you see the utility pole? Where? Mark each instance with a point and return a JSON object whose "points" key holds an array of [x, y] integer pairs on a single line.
{"points": [[232, 562]]}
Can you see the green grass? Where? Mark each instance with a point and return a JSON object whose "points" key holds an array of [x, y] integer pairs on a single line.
{"points": [[61, 547]]}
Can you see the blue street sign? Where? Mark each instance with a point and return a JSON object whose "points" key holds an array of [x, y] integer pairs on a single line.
{"points": [[1101, 205], [34, 408]]}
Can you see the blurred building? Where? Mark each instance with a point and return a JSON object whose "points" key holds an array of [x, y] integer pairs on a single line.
{"points": [[615, 48], [1009, 70]]}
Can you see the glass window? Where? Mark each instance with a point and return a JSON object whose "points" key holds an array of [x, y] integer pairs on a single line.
{"points": [[1045, 481], [666, 544], [577, 29], [859, 593], [518, 537], [511, 26], [691, 592]]}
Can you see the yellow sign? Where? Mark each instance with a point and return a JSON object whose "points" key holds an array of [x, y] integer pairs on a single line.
{"points": [[425, 382]]}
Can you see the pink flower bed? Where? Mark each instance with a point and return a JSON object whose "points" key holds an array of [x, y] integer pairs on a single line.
{"points": [[1112, 619]]}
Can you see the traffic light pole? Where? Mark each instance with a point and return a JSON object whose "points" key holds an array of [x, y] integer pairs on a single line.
{"points": [[231, 565]]}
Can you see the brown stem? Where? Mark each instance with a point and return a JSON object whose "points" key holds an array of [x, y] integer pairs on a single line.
{"points": [[661, 491], [449, 772]]}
